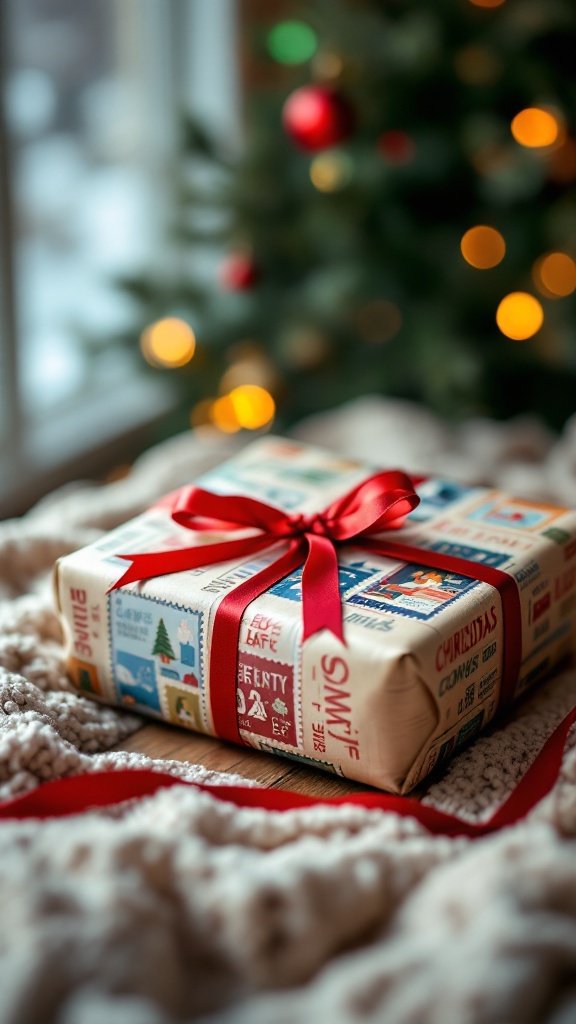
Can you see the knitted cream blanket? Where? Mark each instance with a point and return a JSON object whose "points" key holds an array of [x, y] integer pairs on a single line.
{"points": [[182, 907]]}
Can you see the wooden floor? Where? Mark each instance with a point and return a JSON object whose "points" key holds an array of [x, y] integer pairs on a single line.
{"points": [[172, 743]]}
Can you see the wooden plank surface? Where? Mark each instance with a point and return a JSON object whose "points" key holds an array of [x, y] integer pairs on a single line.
{"points": [[172, 743]]}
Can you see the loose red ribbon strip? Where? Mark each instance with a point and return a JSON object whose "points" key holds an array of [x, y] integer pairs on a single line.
{"points": [[78, 793]]}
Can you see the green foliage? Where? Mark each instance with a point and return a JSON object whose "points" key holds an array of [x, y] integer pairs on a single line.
{"points": [[451, 76]]}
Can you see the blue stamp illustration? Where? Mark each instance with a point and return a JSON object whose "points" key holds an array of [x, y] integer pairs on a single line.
{"points": [[348, 576], [436, 496], [471, 554], [136, 680], [515, 514], [413, 590], [152, 643]]}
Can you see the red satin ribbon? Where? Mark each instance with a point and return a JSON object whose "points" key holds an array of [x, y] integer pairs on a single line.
{"points": [[369, 508], [382, 501], [78, 793]]}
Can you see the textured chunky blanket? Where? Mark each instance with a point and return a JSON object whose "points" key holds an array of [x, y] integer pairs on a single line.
{"points": [[183, 907]]}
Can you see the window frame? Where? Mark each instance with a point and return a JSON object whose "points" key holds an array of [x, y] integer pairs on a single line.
{"points": [[119, 421]]}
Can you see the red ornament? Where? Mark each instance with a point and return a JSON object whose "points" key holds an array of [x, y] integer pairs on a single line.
{"points": [[396, 147], [238, 272], [316, 117]]}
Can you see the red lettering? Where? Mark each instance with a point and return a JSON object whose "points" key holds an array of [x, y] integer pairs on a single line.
{"points": [[333, 667], [466, 638]]}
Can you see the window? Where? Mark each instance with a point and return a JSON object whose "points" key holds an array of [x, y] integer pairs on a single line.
{"points": [[88, 126]]}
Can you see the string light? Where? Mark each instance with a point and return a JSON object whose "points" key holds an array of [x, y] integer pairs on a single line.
{"points": [[305, 348], [519, 316], [535, 128], [327, 65], [223, 415], [201, 413], [397, 147], [292, 42], [331, 171], [483, 247], [168, 343], [379, 321], [475, 65], [555, 275], [253, 406]]}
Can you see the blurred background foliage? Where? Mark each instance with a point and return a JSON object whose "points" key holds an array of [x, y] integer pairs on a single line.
{"points": [[401, 218]]}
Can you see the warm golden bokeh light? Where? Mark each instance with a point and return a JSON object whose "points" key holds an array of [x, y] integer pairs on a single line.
{"points": [[330, 171], [223, 415], [169, 343], [253, 406], [202, 413], [257, 369], [535, 127], [483, 247], [475, 65], [555, 275], [487, 3], [305, 348], [379, 321], [519, 316], [327, 65]]}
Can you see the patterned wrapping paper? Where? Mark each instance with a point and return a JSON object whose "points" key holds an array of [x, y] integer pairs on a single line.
{"points": [[421, 670]]}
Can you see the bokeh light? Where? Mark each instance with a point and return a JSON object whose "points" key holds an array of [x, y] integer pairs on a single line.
{"points": [[483, 247], [397, 147], [250, 369], [168, 343], [292, 42], [535, 127], [223, 415], [379, 321], [327, 65], [331, 171], [305, 348], [555, 275], [476, 65], [201, 413], [253, 406], [487, 3], [519, 316]]}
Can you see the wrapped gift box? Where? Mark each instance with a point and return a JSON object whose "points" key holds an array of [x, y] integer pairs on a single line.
{"points": [[421, 669]]}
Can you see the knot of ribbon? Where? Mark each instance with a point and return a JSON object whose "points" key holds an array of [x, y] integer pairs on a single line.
{"points": [[378, 503]]}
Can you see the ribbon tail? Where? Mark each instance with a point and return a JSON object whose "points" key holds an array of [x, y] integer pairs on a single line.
{"points": [[322, 607], [162, 563]]}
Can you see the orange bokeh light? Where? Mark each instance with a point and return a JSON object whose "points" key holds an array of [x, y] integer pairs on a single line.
{"points": [[253, 406], [168, 343], [519, 316], [483, 247], [555, 275], [535, 128]]}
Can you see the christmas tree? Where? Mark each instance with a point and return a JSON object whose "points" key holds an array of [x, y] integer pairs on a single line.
{"points": [[402, 220], [162, 645]]}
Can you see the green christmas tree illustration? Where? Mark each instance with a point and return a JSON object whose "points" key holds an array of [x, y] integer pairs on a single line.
{"points": [[162, 645]]}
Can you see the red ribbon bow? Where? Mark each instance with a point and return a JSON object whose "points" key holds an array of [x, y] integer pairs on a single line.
{"points": [[380, 502]]}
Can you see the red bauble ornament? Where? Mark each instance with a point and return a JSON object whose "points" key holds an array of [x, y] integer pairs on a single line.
{"points": [[396, 147], [316, 117], [238, 272]]}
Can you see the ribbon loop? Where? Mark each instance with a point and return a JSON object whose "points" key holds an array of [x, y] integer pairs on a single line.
{"points": [[376, 503]]}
